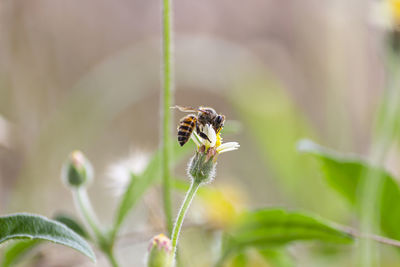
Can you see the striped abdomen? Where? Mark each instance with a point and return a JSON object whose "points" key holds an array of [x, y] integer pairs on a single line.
{"points": [[185, 129]]}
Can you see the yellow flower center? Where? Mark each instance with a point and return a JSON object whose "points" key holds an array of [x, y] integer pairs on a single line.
{"points": [[219, 139]]}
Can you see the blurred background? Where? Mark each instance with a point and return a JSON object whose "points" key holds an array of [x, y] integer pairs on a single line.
{"points": [[86, 75]]}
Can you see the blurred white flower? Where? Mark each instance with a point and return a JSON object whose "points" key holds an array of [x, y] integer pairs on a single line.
{"points": [[120, 172]]}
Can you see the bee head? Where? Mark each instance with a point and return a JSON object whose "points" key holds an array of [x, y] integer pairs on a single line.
{"points": [[206, 115], [219, 121]]}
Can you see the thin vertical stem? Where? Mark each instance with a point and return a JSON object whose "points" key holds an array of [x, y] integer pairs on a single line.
{"points": [[167, 67], [371, 188], [111, 258], [84, 205], [181, 215]]}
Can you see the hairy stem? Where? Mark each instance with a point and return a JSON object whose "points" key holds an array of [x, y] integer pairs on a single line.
{"points": [[84, 205], [181, 215], [377, 238], [167, 67]]}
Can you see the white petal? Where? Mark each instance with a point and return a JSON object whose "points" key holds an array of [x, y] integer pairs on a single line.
{"points": [[196, 139], [230, 146], [208, 130], [227, 150], [211, 135]]}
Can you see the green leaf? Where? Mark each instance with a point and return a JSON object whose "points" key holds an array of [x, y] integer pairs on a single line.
{"points": [[135, 190], [346, 172], [275, 124], [240, 260], [29, 226], [271, 228], [139, 184], [342, 172], [277, 257], [73, 224], [14, 252]]}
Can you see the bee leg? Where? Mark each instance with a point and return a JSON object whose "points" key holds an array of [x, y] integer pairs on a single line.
{"points": [[201, 134], [204, 136]]}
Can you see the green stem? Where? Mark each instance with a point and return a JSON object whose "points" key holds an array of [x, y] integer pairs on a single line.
{"points": [[84, 205], [181, 215], [167, 66], [372, 185], [111, 258]]}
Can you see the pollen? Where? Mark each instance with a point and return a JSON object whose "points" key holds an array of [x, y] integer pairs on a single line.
{"points": [[219, 139]]}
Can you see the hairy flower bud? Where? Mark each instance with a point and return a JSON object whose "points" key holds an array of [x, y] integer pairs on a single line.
{"points": [[202, 166], [77, 170], [160, 252]]}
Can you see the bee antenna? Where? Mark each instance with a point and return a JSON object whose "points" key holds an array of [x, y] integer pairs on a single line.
{"points": [[185, 109], [177, 107]]}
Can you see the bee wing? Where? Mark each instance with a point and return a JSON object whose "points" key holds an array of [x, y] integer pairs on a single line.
{"points": [[186, 109]]}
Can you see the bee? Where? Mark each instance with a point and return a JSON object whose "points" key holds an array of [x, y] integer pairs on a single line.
{"points": [[204, 116]]}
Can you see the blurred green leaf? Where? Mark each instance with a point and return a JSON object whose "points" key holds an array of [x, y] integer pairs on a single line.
{"points": [[29, 226], [14, 252], [346, 172], [271, 228], [181, 184], [139, 184], [136, 188], [277, 257], [73, 224], [275, 124], [271, 257], [239, 260]]}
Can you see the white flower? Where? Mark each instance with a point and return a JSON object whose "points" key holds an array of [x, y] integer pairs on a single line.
{"points": [[230, 146], [120, 171], [201, 167], [215, 140]]}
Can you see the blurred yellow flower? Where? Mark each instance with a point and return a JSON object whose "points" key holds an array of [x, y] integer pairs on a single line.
{"points": [[395, 8], [386, 14], [222, 205]]}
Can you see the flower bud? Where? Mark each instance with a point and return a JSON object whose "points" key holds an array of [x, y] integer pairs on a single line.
{"points": [[202, 166], [160, 252], [77, 170]]}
